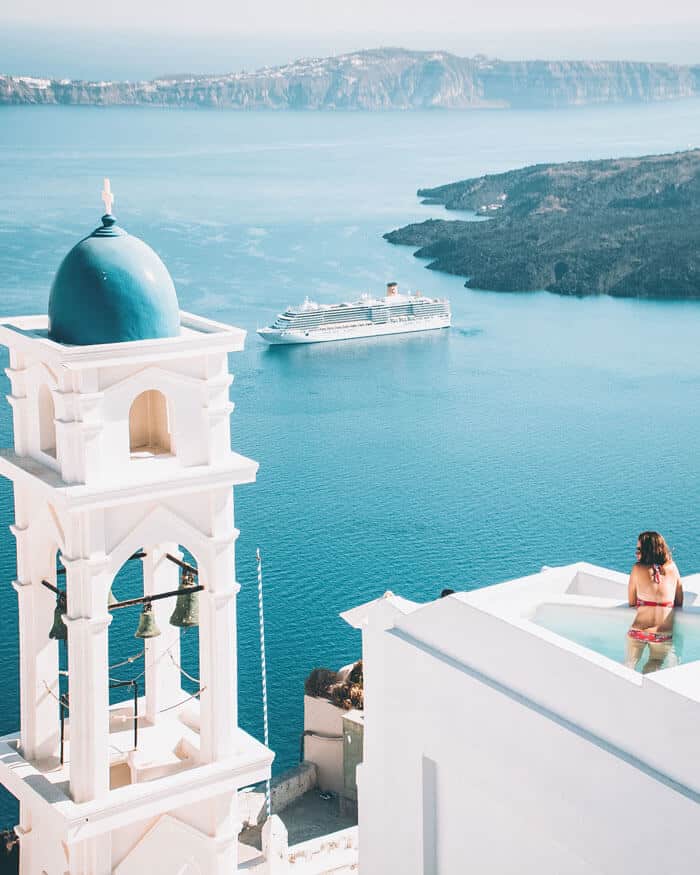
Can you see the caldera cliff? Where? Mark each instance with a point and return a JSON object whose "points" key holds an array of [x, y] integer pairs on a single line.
{"points": [[380, 79]]}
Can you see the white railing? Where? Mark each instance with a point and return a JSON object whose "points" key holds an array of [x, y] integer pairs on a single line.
{"points": [[336, 853]]}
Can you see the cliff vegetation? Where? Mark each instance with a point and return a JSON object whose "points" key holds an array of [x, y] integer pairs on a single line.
{"points": [[344, 689], [625, 227]]}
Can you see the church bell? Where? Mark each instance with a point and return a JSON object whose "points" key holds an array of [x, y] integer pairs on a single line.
{"points": [[186, 613], [148, 628], [59, 632]]}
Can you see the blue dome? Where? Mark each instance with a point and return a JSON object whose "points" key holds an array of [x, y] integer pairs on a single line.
{"points": [[110, 288]]}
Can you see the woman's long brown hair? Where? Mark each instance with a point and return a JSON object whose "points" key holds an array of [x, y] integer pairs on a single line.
{"points": [[653, 549]]}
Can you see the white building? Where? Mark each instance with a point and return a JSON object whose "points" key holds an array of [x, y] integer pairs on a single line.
{"points": [[497, 745], [121, 446]]}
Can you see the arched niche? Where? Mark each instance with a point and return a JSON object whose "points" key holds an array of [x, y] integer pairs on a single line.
{"points": [[47, 421], [149, 425]]}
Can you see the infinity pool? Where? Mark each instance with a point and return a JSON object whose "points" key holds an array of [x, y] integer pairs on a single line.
{"points": [[604, 630]]}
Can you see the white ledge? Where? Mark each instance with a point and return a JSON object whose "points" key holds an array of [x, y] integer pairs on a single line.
{"points": [[236, 470], [134, 802], [197, 335]]}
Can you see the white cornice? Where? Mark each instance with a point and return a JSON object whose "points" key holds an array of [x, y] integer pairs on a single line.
{"points": [[198, 336], [24, 470]]}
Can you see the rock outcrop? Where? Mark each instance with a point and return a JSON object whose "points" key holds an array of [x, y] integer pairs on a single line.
{"points": [[627, 227], [381, 79]]}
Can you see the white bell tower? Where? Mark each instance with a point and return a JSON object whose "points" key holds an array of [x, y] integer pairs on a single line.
{"points": [[122, 447]]}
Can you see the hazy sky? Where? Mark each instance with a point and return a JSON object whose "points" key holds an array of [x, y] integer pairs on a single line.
{"points": [[146, 38], [357, 16]]}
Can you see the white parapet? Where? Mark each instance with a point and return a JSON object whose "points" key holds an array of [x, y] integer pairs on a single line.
{"points": [[336, 853], [494, 744]]}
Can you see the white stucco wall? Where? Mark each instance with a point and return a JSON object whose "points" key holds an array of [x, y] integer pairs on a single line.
{"points": [[324, 747], [477, 760], [516, 791]]}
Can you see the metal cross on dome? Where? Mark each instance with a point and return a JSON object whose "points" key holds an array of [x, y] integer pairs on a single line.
{"points": [[107, 197]]}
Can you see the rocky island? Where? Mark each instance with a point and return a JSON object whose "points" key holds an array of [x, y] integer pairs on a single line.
{"points": [[625, 227], [380, 79]]}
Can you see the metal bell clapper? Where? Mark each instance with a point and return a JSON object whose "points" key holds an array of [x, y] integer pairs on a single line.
{"points": [[148, 628], [186, 613], [59, 632]]}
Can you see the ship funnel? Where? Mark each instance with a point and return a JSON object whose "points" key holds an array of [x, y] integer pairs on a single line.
{"points": [[392, 289]]}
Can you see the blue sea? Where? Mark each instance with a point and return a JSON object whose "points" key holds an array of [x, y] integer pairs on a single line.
{"points": [[538, 430]]}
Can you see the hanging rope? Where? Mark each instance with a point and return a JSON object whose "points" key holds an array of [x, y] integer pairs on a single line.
{"points": [[128, 660], [123, 681], [53, 695], [139, 676], [263, 671], [64, 707], [134, 679], [181, 669], [177, 704]]}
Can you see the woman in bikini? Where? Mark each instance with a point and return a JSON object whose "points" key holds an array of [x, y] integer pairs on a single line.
{"points": [[655, 589]]}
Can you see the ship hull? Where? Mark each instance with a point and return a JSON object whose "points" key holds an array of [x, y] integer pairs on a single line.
{"points": [[285, 337]]}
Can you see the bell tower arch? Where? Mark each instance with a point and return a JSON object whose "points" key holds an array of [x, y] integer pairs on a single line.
{"points": [[126, 459]]}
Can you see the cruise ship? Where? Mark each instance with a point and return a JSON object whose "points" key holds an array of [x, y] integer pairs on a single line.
{"points": [[368, 317]]}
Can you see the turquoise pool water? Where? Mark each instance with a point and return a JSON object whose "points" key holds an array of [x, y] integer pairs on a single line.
{"points": [[604, 630]]}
